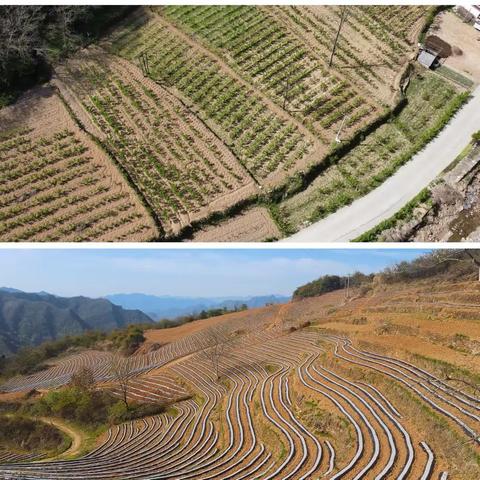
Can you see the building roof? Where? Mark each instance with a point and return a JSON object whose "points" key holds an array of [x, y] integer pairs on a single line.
{"points": [[426, 58]]}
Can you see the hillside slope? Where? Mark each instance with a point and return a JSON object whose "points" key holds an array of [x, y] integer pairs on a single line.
{"points": [[29, 318], [335, 386]]}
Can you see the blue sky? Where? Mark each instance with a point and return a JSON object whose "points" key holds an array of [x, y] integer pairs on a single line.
{"points": [[183, 272]]}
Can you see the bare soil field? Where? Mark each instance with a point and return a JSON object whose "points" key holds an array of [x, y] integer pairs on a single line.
{"points": [[253, 225], [57, 184], [383, 383], [465, 43], [173, 334]]}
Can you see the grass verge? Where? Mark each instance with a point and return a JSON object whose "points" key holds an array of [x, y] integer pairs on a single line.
{"points": [[403, 214]]}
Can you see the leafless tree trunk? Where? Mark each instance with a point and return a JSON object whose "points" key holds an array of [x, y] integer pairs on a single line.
{"points": [[218, 342], [121, 371]]}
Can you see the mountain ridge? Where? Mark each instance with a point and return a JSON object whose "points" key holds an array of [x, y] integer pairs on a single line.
{"points": [[171, 307], [28, 319]]}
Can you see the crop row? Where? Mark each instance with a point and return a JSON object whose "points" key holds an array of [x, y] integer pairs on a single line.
{"points": [[249, 424], [52, 189], [269, 56], [380, 153], [238, 114], [178, 165]]}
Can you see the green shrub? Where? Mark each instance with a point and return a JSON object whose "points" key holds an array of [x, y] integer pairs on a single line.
{"points": [[329, 283], [74, 404]]}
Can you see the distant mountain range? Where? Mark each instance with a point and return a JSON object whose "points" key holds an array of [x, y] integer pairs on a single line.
{"points": [[169, 307], [28, 319]]}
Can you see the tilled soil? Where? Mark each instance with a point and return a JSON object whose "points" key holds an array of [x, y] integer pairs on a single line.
{"points": [[253, 225]]}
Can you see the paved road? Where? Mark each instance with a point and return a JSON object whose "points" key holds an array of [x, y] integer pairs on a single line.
{"points": [[365, 213]]}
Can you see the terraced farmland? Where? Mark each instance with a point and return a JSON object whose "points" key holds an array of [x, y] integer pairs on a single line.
{"points": [[290, 402], [375, 158], [265, 139], [57, 184], [181, 168], [205, 110]]}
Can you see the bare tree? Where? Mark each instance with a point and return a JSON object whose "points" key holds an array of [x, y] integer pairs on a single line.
{"points": [[20, 28], [218, 342], [121, 372], [67, 15], [83, 379], [437, 260]]}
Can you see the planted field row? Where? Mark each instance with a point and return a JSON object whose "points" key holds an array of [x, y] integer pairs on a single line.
{"points": [[252, 422], [11, 457], [366, 57], [271, 58], [253, 225], [265, 140], [181, 168], [158, 388], [101, 365], [430, 101], [57, 185]]}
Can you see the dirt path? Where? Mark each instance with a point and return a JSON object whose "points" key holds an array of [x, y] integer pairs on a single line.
{"points": [[78, 437]]}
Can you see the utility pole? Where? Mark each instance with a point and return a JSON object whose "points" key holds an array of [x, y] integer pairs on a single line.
{"points": [[347, 287], [342, 19]]}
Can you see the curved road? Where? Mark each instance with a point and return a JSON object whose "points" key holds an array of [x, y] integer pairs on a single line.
{"points": [[368, 211]]}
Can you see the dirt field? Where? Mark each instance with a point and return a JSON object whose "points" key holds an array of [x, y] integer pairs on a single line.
{"points": [[253, 225], [168, 335], [57, 184], [465, 42]]}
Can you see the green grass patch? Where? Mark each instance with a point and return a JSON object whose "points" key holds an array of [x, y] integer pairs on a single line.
{"points": [[404, 214], [454, 76]]}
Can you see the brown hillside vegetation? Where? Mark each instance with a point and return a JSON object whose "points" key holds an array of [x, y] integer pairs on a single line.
{"points": [[384, 381]]}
